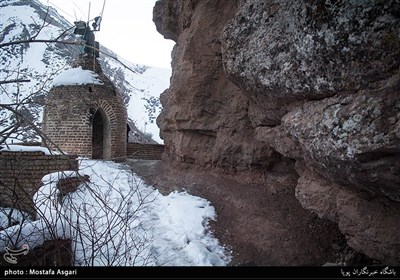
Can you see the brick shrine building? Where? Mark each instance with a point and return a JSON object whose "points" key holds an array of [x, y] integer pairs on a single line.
{"points": [[88, 120]]}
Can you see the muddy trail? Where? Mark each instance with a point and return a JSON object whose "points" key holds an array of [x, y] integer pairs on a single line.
{"points": [[261, 224]]}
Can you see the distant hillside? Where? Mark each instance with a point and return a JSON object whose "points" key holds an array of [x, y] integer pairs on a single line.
{"points": [[141, 85]]}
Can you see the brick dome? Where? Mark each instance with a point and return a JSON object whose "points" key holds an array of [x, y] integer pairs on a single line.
{"points": [[88, 120]]}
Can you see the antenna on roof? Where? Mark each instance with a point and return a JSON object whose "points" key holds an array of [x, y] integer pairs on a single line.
{"points": [[83, 28], [102, 11], [89, 13]]}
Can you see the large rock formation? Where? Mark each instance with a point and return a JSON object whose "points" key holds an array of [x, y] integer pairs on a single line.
{"points": [[205, 116], [256, 83]]}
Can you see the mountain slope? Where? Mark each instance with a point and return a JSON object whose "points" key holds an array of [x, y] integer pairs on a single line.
{"points": [[38, 62]]}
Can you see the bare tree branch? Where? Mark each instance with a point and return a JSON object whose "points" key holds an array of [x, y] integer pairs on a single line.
{"points": [[31, 124], [42, 41], [63, 33], [43, 24], [15, 81], [76, 43]]}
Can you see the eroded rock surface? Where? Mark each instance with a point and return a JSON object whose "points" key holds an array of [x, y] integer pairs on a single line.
{"points": [[280, 51], [257, 85], [352, 140], [370, 223], [204, 120]]}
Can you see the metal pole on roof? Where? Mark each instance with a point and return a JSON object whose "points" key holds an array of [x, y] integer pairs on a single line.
{"points": [[89, 14], [104, 4]]}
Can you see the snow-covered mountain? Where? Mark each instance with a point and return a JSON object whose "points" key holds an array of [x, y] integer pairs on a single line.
{"points": [[39, 63]]}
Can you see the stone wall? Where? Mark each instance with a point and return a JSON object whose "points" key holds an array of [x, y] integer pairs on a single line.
{"points": [[22, 172], [144, 151]]}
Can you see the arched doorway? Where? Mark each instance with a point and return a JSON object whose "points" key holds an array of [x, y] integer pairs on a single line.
{"points": [[100, 135]]}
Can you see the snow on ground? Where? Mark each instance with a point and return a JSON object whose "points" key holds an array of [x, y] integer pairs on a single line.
{"points": [[117, 219]]}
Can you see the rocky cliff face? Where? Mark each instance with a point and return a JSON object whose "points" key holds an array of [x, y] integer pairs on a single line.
{"points": [[259, 83], [205, 118]]}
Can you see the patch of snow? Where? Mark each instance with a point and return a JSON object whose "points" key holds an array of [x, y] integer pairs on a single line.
{"points": [[56, 176], [76, 76], [172, 230], [21, 148], [182, 236], [117, 219], [10, 216], [32, 234]]}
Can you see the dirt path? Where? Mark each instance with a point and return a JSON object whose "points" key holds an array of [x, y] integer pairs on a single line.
{"points": [[263, 225]]}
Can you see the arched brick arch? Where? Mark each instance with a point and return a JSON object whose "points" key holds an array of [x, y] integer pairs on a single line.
{"points": [[101, 135], [107, 108], [69, 115], [110, 124]]}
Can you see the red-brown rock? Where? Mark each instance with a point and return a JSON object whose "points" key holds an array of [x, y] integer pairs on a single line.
{"points": [[205, 118], [257, 83]]}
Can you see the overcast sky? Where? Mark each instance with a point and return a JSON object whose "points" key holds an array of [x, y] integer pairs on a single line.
{"points": [[127, 28]]}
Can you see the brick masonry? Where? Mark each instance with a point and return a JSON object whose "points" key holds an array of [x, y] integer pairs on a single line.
{"points": [[21, 175], [144, 151], [71, 113], [70, 184]]}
